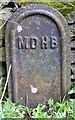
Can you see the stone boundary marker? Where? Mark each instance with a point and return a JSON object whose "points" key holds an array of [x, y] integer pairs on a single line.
{"points": [[38, 47]]}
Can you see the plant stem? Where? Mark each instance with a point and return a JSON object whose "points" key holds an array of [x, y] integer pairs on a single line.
{"points": [[5, 84]]}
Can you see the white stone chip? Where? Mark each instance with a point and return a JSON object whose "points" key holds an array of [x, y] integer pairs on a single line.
{"points": [[19, 28], [33, 89]]}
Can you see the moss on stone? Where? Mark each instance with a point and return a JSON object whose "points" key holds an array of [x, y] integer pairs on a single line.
{"points": [[64, 9]]}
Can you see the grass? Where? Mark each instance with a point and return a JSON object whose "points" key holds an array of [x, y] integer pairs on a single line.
{"points": [[50, 109]]}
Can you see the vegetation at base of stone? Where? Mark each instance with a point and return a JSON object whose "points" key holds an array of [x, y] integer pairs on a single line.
{"points": [[11, 110], [63, 7], [50, 109]]}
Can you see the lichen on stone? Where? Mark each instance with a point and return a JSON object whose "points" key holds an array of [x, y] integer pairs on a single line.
{"points": [[63, 7]]}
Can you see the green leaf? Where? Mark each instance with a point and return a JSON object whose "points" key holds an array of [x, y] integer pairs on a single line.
{"points": [[1, 112], [72, 90], [50, 102]]}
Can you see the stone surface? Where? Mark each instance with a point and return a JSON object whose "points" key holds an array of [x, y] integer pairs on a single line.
{"points": [[5, 14], [72, 44], [39, 48]]}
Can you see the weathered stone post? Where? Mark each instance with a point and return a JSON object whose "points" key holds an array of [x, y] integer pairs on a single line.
{"points": [[37, 45]]}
